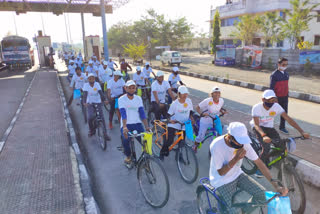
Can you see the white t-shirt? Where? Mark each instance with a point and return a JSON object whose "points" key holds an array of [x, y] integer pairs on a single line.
{"points": [[174, 80], [160, 89], [105, 75], [93, 95], [72, 69], [147, 72], [78, 62], [139, 79], [211, 107], [78, 80], [92, 70], [266, 117], [221, 155], [181, 112], [110, 64], [131, 107], [116, 87]]}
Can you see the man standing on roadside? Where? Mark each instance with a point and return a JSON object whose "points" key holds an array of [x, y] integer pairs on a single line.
{"points": [[279, 83]]}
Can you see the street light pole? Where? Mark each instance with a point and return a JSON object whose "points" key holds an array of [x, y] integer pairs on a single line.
{"points": [[104, 30]]}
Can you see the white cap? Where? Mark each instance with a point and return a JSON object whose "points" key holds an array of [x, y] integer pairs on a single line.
{"points": [[160, 73], [94, 57], [147, 63], [90, 62], [215, 89], [267, 94], [105, 62], [117, 73], [239, 132], [71, 61], [183, 90], [175, 69], [90, 75], [138, 68], [130, 83], [110, 58]]}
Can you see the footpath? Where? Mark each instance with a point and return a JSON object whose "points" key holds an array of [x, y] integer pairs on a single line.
{"points": [[39, 171]]}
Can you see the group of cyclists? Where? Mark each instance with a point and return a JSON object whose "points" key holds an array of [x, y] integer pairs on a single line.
{"points": [[101, 82]]}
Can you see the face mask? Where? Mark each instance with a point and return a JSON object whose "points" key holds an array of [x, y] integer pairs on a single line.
{"points": [[130, 94], [283, 68], [235, 146], [269, 105]]}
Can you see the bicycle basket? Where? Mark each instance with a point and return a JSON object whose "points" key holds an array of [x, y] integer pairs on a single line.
{"points": [[291, 145], [189, 130], [279, 205], [218, 125], [148, 146], [76, 94], [139, 92]]}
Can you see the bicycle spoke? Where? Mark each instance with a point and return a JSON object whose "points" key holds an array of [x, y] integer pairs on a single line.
{"points": [[187, 164]]}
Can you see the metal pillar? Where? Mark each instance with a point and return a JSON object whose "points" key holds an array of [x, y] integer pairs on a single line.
{"points": [[104, 30], [84, 37], [65, 23]]}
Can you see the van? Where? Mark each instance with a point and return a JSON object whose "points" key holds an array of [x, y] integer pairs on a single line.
{"points": [[171, 58]]}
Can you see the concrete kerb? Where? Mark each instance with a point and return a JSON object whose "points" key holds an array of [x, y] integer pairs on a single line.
{"points": [[89, 201], [293, 94]]}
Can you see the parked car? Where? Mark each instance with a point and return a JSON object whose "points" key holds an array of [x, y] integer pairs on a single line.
{"points": [[171, 58]]}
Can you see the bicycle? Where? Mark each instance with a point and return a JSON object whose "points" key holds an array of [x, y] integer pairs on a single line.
{"points": [[83, 108], [101, 132], [148, 173], [185, 157], [287, 174], [209, 201], [142, 91]]}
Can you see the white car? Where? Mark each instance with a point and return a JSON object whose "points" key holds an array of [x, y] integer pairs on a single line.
{"points": [[171, 58]]}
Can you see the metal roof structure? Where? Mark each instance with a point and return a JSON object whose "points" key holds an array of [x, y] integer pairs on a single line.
{"points": [[59, 7]]}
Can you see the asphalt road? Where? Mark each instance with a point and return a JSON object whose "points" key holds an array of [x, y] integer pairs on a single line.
{"points": [[116, 188]]}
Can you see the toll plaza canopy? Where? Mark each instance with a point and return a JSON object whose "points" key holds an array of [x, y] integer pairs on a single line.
{"points": [[60, 6]]}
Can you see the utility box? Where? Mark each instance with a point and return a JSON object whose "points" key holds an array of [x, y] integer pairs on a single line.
{"points": [[44, 47], [93, 46]]}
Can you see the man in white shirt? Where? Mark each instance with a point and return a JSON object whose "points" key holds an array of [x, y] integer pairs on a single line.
{"points": [[91, 69], [105, 74], [92, 95], [77, 83], [173, 80], [225, 173], [115, 90], [72, 70], [159, 89], [111, 64], [132, 113], [147, 70], [78, 61], [263, 115]]}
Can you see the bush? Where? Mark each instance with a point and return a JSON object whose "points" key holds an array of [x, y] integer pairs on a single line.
{"points": [[308, 66]]}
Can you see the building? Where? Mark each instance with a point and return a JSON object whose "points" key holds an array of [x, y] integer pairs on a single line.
{"points": [[196, 44], [233, 9]]}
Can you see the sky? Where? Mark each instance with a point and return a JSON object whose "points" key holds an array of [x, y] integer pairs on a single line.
{"points": [[196, 12]]}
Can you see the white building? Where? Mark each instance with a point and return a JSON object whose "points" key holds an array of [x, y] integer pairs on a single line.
{"points": [[233, 9]]}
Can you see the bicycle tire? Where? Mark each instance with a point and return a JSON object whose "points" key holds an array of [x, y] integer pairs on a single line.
{"points": [[101, 136], [107, 107], [184, 156], [294, 175], [147, 167], [216, 207], [248, 166]]}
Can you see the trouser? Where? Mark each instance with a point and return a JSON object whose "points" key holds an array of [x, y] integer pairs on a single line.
{"points": [[245, 183], [275, 137], [126, 142], [92, 115], [171, 134], [112, 110], [283, 102], [175, 90], [158, 111], [203, 127], [69, 77]]}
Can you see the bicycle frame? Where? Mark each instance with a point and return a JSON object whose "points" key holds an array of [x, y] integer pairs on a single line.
{"points": [[144, 153]]}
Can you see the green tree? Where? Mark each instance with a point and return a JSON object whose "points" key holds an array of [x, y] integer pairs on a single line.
{"points": [[215, 33], [270, 27], [298, 20], [120, 34], [246, 29], [136, 52]]}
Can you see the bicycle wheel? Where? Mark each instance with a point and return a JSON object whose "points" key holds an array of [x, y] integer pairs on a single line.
{"points": [[157, 145], [153, 182], [84, 112], [187, 163], [292, 181], [101, 136], [107, 107], [207, 203], [248, 166]]}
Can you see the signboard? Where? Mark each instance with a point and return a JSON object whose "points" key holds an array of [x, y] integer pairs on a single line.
{"points": [[226, 55], [253, 56], [313, 56]]}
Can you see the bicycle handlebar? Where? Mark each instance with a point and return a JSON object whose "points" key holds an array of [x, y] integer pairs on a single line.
{"points": [[213, 118], [136, 134]]}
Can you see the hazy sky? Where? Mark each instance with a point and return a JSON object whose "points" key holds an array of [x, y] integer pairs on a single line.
{"points": [[197, 13]]}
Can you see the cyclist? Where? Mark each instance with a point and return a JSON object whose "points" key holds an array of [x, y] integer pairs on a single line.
{"points": [[226, 176], [72, 70], [139, 78], [95, 61], [180, 110], [263, 115], [147, 70], [174, 78], [105, 74], [111, 64], [78, 61], [92, 69], [124, 69], [92, 95], [159, 89], [115, 90], [132, 113], [210, 106], [77, 82]]}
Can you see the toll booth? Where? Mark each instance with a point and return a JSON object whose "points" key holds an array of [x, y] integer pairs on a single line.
{"points": [[93, 46], [44, 49]]}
